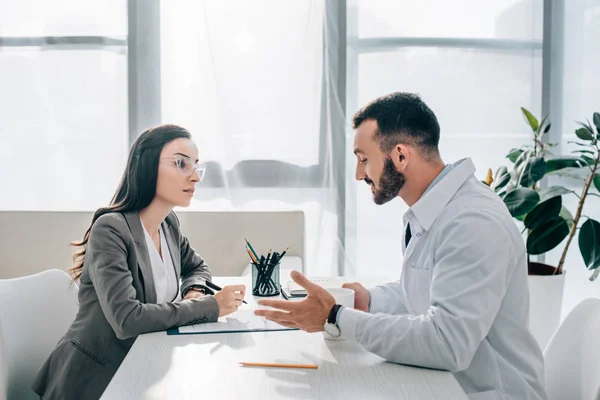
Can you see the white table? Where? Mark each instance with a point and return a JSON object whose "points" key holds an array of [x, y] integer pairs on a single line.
{"points": [[207, 366]]}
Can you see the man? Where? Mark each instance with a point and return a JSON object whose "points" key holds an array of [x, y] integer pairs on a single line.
{"points": [[462, 301]]}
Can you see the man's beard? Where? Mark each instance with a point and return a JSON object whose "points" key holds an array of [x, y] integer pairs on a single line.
{"points": [[389, 185]]}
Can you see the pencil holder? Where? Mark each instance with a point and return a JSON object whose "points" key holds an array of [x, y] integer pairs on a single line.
{"points": [[265, 279]]}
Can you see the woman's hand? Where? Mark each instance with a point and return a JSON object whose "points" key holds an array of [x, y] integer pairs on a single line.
{"points": [[230, 298], [193, 293]]}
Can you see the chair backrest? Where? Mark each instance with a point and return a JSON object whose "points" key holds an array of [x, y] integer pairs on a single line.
{"points": [[572, 357], [33, 241], [219, 236], [35, 312]]}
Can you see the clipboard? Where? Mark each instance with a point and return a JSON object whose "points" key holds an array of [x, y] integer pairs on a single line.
{"points": [[240, 321]]}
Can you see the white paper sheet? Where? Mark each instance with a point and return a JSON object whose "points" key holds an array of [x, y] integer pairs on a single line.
{"points": [[243, 320]]}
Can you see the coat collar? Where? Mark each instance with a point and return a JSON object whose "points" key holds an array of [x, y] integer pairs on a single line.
{"points": [[431, 204]]}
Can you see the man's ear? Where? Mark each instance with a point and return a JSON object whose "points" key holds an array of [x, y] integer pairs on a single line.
{"points": [[399, 155]]}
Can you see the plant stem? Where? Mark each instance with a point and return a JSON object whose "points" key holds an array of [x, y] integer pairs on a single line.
{"points": [[586, 188]]}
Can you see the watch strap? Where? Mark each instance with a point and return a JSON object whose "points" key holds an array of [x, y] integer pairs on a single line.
{"points": [[332, 318]]}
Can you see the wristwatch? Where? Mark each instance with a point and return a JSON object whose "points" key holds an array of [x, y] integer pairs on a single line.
{"points": [[197, 288], [331, 326]]}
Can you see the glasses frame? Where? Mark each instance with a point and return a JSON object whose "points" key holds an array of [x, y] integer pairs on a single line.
{"points": [[200, 169]]}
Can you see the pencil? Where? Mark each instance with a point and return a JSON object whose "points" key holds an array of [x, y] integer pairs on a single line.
{"points": [[251, 248], [305, 366], [252, 256]]}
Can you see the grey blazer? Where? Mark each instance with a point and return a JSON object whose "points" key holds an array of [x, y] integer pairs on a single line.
{"points": [[117, 302]]}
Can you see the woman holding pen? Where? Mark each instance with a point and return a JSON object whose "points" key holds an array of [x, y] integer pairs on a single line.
{"points": [[137, 272]]}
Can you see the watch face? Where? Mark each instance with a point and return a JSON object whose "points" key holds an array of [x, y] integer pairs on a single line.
{"points": [[332, 329]]}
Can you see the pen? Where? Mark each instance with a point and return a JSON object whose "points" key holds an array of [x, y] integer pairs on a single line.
{"points": [[306, 366], [283, 254], [215, 287], [285, 296]]}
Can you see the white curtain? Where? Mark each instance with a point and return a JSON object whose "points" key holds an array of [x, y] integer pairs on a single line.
{"points": [[578, 63], [63, 124], [249, 80], [474, 69]]}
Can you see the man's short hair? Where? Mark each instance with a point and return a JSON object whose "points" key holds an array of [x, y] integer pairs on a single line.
{"points": [[401, 118]]}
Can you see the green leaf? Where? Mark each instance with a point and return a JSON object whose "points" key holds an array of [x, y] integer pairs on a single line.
{"points": [[585, 152], [547, 236], [588, 160], [534, 171], [597, 122], [589, 243], [547, 127], [521, 200], [514, 154], [553, 191], [587, 126], [518, 168], [554, 164], [533, 122], [542, 127], [501, 178], [543, 212], [597, 182], [584, 134], [567, 216]]}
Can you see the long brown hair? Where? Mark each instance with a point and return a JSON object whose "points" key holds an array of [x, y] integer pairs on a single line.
{"points": [[138, 184]]}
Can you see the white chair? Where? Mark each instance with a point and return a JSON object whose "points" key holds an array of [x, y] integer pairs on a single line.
{"points": [[35, 312], [572, 356]]}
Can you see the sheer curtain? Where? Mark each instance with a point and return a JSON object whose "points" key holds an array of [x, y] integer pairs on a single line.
{"points": [[474, 69], [249, 80], [579, 82], [63, 130]]}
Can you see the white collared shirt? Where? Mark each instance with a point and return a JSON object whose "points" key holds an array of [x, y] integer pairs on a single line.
{"points": [[462, 303], [163, 271]]}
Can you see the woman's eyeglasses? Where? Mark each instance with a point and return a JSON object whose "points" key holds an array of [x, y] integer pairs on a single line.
{"points": [[186, 167]]}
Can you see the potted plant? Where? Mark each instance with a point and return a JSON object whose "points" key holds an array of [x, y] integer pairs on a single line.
{"points": [[546, 222]]}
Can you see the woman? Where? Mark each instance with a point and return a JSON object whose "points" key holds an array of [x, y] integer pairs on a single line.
{"points": [[129, 267]]}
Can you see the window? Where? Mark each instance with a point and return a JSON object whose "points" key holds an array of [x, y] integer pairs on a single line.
{"points": [[63, 132], [474, 69]]}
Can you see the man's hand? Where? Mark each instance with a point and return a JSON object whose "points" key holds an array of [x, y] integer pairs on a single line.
{"points": [[362, 299], [193, 293], [309, 314]]}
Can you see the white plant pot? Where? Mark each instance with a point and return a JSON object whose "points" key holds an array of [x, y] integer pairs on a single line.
{"points": [[545, 303]]}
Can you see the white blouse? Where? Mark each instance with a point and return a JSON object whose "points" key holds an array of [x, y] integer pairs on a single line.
{"points": [[163, 271]]}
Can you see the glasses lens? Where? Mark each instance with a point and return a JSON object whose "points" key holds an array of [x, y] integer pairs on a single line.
{"points": [[201, 171], [182, 165]]}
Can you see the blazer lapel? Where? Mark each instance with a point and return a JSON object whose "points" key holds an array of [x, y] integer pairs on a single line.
{"points": [[143, 257], [173, 248]]}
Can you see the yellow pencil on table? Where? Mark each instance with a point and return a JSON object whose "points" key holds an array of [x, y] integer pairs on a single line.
{"points": [[272, 365]]}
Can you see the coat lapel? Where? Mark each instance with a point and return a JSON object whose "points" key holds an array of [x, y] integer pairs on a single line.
{"points": [[173, 248], [143, 257]]}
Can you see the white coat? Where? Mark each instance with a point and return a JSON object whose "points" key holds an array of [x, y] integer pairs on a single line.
{"points": [[462, 302]]}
